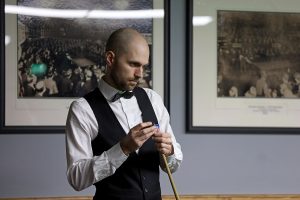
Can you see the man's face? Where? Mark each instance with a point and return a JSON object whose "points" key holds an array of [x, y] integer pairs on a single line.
{"points": [[127, 67]]}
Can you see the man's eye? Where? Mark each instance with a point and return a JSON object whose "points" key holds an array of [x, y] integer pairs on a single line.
{"points": [[135, 65]]}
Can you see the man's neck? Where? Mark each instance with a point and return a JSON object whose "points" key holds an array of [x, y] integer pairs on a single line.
{"points": [[109, 81]]}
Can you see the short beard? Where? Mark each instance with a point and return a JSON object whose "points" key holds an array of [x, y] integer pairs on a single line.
{"points": [[119, 85]]}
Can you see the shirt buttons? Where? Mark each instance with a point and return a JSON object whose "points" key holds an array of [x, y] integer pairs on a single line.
{"points": [[146, 190]]}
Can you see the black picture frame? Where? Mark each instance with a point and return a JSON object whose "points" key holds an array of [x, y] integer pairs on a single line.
{"points": [[190, 110], [58, 129]]}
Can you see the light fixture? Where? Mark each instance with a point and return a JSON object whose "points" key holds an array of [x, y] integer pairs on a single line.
{"points": [[68, 13]]}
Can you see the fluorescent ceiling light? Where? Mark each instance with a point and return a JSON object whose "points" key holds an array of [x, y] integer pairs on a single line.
{"points": [[63, 13], [114, 14], [202, 20]]}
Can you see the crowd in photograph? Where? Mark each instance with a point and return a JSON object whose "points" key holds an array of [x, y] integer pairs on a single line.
{"points": [[47, 67], [257, 61], [288, 87]]}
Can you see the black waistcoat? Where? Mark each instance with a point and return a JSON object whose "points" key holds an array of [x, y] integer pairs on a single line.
{"points": [[138, 177]]}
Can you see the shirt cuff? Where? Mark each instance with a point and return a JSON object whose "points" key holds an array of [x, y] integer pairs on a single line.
{"points": [[175, 159], [106, 164], [177, 152]]}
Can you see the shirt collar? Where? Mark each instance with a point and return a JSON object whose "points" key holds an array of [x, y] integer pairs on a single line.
{"points": [[108, 91]]}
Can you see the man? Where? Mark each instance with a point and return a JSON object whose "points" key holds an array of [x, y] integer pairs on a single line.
{"points": [[262, 88], [112, 141]]}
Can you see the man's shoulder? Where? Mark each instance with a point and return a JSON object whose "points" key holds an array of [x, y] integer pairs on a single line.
{"points": [[152, 94], [80, 102]]}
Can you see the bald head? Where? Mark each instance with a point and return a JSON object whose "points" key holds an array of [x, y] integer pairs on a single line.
{"points": [[127, 53], [120, 40]]}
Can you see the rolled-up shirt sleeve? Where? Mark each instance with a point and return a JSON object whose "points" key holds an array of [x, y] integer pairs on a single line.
{"points": [[83, 168]]}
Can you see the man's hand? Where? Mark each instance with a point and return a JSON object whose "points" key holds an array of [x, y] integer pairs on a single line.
{"points": [[163, 143], [137, 136]]}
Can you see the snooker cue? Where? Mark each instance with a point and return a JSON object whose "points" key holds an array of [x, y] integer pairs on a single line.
{"points": [[169, 172], [170, 177]]}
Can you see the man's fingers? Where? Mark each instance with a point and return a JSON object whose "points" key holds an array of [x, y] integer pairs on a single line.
{"points": [[163, 143], [137, 136], [164, 149], [143, 125], [162, 138], [142, 132], [146, 133]]}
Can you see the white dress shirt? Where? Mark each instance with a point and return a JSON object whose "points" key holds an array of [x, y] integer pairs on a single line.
{"points": [[85, 169]]}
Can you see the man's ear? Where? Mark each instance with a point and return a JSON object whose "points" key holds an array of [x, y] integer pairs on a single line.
{"points": [[110, 58]]}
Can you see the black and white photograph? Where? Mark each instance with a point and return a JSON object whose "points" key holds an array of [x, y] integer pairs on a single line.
{"points": [[54, 54], [258, 54], [243, 62]]}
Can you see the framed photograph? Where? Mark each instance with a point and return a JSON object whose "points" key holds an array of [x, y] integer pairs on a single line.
{"points": [[243, 66], [52, 53]]}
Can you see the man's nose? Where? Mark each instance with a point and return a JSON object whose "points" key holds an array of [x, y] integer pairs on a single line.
{"points": [[139, 72]]}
